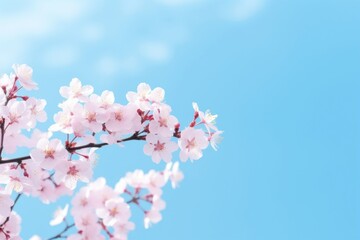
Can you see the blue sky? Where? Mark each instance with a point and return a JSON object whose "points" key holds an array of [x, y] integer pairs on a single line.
{"points": [[282, 75]]}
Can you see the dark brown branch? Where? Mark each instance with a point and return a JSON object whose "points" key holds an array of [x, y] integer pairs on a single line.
{"points": [[19, 160]]}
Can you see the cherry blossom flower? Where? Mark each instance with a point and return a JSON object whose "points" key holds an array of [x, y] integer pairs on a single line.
{"points": [[115, 210], [64, 119], [215, 139], [91, 117], [107, 99], [7, 82], [163, 123], [122, 118], [207, 118], [120, 186], [121, 230], [46, 191], [70, 172], [14, 139], [155, 181], [76, 90], [5, 204], [191, 143], [82, 202], [159, 147], [11, 229], [2, 97], [35, 137], [59, 215], [15, 113], [136, 179], [24, 74], [172, 171], [87, 222], [37, 112], [14, 181], [151, 217], [144, 97], [49, 153]]}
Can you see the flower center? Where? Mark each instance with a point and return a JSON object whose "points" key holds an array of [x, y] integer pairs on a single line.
{"points": [[159, 146], [163, 122], [72, 171], [190, 144], [114, 211], [49, 153]]}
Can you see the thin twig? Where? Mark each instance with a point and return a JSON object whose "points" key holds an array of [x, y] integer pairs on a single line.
{"points": [[12, 207], [60, 235]]}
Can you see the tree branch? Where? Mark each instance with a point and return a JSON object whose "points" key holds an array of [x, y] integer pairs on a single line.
{"points": [[19, 160]]}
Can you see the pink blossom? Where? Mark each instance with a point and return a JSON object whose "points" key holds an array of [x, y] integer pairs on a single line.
{"points": [[24, 75], [11, 229], [82, 202], [2, 96], [70, 172], [37, 112], [5, 204], [172, 171], [121, 230], [76, 90], [7, 82], [91, 117], [59, 215], [215, 139], [144, 97], [191, 144], [35, 137], [136, 179], [15, 113], [155, 181], [87, 222], [46, 191], [206, 118], [163, 123], [49, 153], [115, 210], [122, 119], [151, 217], [159, 147], [107, 99], [64, 119]]}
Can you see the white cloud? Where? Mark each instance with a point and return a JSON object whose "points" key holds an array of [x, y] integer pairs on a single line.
{"points": [[155, 51], [92, 32], [60, 56], [34, 23], [241, 10], [109, 66], [176, 3]]}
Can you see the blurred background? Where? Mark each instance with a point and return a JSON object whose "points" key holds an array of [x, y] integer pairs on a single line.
{"points": [[283, 76]]}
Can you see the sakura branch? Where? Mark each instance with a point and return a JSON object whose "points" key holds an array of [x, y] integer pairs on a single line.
{"points": [[87, 121]]}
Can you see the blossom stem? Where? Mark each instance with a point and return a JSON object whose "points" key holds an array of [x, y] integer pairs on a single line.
{"points": [[60, 235]]}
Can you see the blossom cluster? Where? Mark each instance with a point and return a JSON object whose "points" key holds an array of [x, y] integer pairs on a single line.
{"points": [[88, 121], [97, 207]]}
